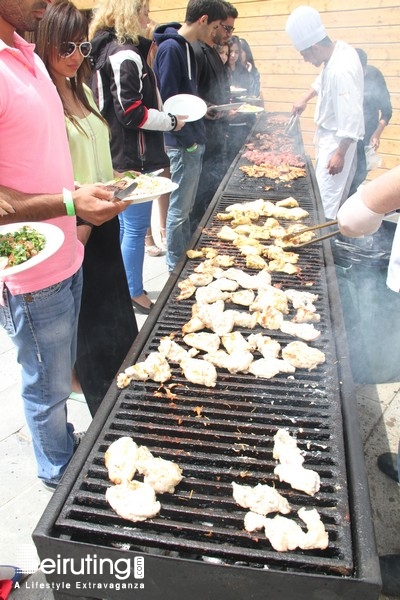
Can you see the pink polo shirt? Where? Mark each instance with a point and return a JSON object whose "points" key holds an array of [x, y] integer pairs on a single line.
{"points": [[34, 155]]}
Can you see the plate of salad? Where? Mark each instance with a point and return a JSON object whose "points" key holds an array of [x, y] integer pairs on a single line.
{"points": [[24, 245]]}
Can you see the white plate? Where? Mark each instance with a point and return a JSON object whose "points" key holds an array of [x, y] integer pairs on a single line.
{"points": [[186, 104], [149, 188], [237, 90], [54, 239]]}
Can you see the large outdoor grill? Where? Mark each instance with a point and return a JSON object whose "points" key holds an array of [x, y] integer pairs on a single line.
{"points": [[197, 546]]}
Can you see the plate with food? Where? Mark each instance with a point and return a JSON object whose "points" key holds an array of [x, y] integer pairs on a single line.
{"points": [[250, 108], [223, 107], [186, 104], [147, 188], [25, 245]]}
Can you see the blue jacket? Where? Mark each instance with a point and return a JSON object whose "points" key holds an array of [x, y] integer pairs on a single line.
{"points": [[175, 69]]}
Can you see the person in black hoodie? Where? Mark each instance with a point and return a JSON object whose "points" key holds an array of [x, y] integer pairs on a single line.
{"points": [[175, 68], [214, 88], [126, 92]]}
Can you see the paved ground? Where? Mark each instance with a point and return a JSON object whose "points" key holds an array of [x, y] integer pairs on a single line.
{"points": [[22, 499]]}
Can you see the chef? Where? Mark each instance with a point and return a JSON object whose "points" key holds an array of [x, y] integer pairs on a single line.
{"points": [[339, 111]]}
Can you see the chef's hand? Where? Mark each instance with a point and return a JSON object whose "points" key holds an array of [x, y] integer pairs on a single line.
{"points": [[355, 219], [95, 204], [299, 107], [336, 163]]}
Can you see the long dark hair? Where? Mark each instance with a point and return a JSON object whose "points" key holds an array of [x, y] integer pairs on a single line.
{"points": [[63, 22]]}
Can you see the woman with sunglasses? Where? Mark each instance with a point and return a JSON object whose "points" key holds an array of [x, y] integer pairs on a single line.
{"points": [[126, 90], [107, 324]]}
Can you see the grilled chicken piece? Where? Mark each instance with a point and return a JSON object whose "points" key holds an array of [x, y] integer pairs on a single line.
{"points": [[200, 279], [134, 501], [316, 536], [255, 205], [187, 288], [208, 266], [287, 202], [224, 284], [224, 323], [270, 296], [286, 449], [209, 295], [283, 533], [275, 252], [194, 254], [163, 475], [305, 480], [227, 234], [246, 319], [120, 460], [209, 342], [236, 362], [270, 318], [302, 299], [261, 499], [242, 297], [251, 251], [254, 261], [157, 367], [267, 368], [234, 341], [171, 350], [208, 312], [305, 331], [306, 316], [280, 266], [199, 371], [302, 356], [253, 521], [264, 344], [193, 325], [249, 282]]}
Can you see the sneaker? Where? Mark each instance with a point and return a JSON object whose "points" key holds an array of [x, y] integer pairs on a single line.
{"points": [[50, 486], [387, 463], [78, 437], [10, 573]]}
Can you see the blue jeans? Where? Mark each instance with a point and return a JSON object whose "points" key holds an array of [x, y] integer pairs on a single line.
{"points": [[185, 171], [134, 222], [43, 327]]}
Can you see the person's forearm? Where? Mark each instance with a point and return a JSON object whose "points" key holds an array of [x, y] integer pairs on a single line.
{"points": [[31, 207], [382, 195], [344, 145]]}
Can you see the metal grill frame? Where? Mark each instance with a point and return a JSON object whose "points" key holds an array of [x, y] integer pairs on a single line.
{"points": [[176, 577]]}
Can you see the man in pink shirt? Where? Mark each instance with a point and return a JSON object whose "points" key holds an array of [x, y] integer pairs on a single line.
{"points": [[39, 307]]}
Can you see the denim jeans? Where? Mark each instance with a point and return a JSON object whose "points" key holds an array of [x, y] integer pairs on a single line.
{"points": [[43, 327], [134, 222], [185, 171]]}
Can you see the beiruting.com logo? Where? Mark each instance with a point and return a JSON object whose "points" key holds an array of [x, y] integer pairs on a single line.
{"points": [[86, 572]]}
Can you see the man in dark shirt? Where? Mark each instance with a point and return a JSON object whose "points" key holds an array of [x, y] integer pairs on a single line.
{"points": [[214, 88], [377, 114]]}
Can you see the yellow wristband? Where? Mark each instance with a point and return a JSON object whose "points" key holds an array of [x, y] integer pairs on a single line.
{"points": [[69, 202]]}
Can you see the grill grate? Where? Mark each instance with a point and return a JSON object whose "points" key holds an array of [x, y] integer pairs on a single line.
{"points": [[224, 434], [231, 440]]}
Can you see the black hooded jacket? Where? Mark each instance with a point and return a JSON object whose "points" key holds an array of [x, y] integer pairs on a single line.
{"points": [[126, 92]]}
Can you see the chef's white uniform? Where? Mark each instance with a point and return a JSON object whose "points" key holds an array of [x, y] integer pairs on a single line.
{"points": [[338, 114]]}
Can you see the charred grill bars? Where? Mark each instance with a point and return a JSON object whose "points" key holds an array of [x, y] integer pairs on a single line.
{"points": [[197, 547]]}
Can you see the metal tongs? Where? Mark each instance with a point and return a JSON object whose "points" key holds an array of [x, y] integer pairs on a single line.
{"points": [[290, 236], [291, 123]]}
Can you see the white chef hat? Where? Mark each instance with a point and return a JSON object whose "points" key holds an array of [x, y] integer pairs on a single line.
{"points": [[305, 28]]}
